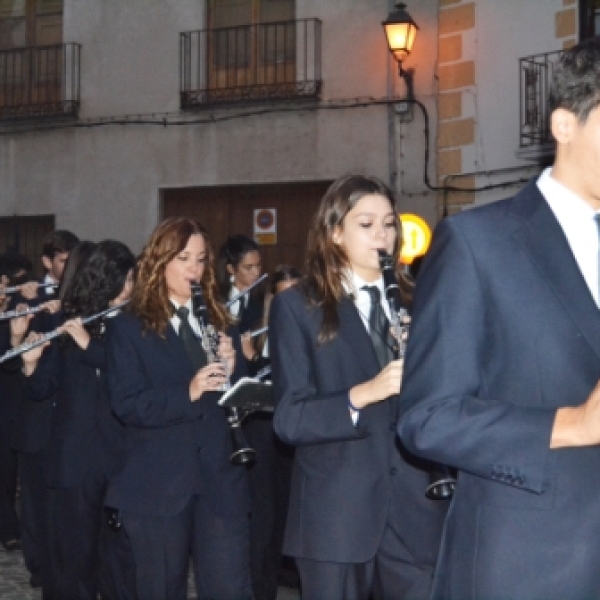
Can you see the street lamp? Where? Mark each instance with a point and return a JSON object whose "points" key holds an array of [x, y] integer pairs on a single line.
{"points": [[400, 31]]}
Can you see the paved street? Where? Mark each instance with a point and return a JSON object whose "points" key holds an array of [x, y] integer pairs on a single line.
{"points": [[14, 581], [14, 578]]}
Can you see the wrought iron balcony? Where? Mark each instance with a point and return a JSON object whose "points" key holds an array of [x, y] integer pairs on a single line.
{"points": [[40, 81], [252, 63], [535, 77]]}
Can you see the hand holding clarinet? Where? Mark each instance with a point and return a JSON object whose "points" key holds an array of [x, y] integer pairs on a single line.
{"points": [[442, 480]]}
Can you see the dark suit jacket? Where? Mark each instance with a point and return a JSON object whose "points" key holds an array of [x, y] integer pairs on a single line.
{"points": [[175, 448], [84, 431], [504, 332], [34, 422], [344, 477], [250, 315]]}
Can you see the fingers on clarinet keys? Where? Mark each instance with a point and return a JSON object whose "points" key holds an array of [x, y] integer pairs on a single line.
{"points": [[443, 483]]}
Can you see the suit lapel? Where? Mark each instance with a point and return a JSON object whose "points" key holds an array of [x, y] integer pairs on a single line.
{"points": [[544, 242], [356, 337], [173, 346]]}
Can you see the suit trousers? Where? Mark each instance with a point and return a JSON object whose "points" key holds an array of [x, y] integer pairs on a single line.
{"points": [[162, 545], [9, 521], [393, 574], [33, 510], [270, 478], [80, 545]]}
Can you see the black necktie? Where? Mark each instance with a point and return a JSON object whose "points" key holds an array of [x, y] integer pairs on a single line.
{"points": [[379, 327], [192, 345]]}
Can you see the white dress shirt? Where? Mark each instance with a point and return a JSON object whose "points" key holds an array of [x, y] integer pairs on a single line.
{"points": [[577, 220], [176, 321], [362, 298]]}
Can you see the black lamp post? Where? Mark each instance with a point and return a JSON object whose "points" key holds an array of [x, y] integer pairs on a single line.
{"points": [[400, 31]]}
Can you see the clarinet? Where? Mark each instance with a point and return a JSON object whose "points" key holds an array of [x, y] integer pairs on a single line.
{"points": [[242, 452], [441, 479], [55, 333]]}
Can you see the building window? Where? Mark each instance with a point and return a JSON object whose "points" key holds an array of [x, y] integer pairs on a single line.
{"points": [[589, 18], [25, 236], [39, 74], [30, 23], [252, 50]]}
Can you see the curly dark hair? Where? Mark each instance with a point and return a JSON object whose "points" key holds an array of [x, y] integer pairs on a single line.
{"points": [[150, 298], [97, 281]]}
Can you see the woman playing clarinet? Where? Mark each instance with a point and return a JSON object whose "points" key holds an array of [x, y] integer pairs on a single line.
{"points": [[358, 524], [177, 496]]}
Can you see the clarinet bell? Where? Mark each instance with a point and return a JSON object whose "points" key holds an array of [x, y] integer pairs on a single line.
{"points": [[442, 483], [242, 453]]}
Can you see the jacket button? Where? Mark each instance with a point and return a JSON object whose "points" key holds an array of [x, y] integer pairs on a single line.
{"points": [[201, 417], [393, 471], [392, 426], [199, 449]]}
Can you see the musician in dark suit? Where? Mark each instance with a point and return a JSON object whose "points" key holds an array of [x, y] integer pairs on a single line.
{"points": [[501, 376], [14, 270], [358, 522], [86, 440], [177, 494], [238, 268], [33, 423]]}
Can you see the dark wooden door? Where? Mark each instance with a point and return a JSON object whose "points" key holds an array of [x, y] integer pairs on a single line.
{"points": [[227, 210]]}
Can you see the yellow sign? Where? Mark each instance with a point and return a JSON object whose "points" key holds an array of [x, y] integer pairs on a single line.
{"points": [[416, 237]]}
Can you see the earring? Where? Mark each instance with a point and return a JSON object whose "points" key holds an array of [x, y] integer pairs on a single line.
{"points": [[231, 279]]}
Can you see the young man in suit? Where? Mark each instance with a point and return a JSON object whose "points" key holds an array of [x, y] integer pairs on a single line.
{"points": [[501, 374], [33, 423]]}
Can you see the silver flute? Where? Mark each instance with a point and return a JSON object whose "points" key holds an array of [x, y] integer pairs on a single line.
{"points": [[17, 288], [238, 296], [46, 337], [14, 314]]}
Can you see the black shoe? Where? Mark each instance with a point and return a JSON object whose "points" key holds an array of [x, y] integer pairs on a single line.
{"points": [[35, 580], [12, 545]]}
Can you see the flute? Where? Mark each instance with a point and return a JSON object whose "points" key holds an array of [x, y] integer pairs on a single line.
{"points": [[257, 332], [17, 288], [55, 333], [238, 296], [13, 314]]}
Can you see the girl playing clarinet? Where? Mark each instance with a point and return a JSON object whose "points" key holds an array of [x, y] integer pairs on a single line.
{"points": [[358, 523]]}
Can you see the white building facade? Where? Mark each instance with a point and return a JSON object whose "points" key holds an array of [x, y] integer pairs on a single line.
{"points": [[218, 108]]}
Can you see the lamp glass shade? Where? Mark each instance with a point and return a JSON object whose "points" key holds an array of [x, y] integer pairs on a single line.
{"points": [[400, 37]]}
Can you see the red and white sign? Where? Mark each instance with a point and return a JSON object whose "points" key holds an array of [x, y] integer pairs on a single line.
{"points": [[265, 226]]}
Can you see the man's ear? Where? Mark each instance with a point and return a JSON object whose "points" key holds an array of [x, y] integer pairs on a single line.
{"points": [[562, 124], [47, 262]]}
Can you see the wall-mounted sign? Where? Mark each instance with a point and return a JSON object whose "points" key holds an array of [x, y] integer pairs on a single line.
{"points": [[265, 226], [416, 237]]}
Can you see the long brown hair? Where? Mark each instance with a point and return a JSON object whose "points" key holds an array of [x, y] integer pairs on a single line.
{"points": [[326, 262], [150, 297]]}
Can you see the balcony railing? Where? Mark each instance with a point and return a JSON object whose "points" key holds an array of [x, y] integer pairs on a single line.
{"points": [[268, 61], [40, 81], [535, 77]]}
